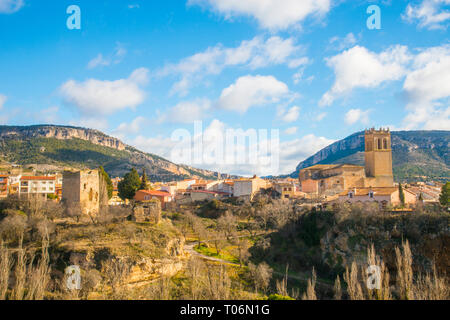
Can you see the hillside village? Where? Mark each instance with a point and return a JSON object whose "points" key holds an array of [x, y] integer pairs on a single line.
{"points": [[320, 184]]}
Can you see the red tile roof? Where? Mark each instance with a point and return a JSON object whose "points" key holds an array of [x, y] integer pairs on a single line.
{"points": [[46, 178], [156, 193]]}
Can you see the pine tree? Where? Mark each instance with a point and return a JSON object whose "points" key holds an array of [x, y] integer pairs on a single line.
{"points": [[444, 198], [401, 194], [145, 184], [109, 184], [421, 197], [129, 185]]}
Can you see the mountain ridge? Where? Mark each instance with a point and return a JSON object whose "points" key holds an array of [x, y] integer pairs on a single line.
{"points": [[62, 146]]}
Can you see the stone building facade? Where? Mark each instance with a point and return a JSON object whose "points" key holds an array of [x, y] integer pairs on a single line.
{"points": [[84, 190], [333, 179]]}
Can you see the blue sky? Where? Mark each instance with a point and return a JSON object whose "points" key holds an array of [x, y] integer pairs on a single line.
{"points": [[140, 69]]}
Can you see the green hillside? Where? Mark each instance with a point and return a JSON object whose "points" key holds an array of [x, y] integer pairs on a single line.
{"points": [[85, 148]]}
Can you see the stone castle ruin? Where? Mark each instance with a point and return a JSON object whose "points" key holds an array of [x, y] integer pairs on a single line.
{"points": [[84, 191]]}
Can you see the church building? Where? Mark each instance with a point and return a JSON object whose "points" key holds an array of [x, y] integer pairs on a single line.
{"points": [[334, 179]]}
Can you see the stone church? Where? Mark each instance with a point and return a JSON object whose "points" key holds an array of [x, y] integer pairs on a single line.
{"points": [[334, 179]]}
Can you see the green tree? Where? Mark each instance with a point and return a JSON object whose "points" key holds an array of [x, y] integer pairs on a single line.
{"points": [[444, 198], [401, 194], [129, 185], [109, 184], [421, 197], [145, 184]]}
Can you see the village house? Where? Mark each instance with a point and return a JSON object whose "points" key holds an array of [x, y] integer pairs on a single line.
{"points": [[428, 194], [203, 185], [287, 190], [247, 188], [148, 195], [202, 195], [4, 186], [385, 196], [37, 185], [226, 186]]}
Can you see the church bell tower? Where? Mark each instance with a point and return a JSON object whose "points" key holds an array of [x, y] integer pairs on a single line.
{"points": [[378, 156]]}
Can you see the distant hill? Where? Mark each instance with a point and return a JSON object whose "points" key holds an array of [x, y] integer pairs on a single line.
{"points": [[417, 155], [64, 146]]}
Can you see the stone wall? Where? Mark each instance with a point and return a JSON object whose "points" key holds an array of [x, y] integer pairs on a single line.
{"points": [[147, 212]]}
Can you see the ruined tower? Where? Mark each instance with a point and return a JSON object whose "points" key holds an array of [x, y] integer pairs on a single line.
{"points": [[378, 156], [85, 191]]}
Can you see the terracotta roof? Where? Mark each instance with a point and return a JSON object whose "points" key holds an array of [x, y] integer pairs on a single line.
{"points": [[156, 193], [320, 166], [46, 178]]}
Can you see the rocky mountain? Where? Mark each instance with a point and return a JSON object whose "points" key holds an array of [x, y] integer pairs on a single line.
{"points": [[64, 146], [417, 155]]}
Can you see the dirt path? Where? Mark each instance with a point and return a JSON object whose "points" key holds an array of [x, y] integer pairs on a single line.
{"points": [[190, 248]]}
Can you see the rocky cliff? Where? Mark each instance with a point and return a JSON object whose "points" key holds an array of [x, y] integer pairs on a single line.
{"points": [[61, 133], [80, 148]]}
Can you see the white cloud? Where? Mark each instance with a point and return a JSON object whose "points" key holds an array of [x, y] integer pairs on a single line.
{"points": [[105, 97], [339, 44], [91, 123], [294, 151], [115, 58], [271, 14], [3, 99], [321, 116], [290, 115], [270, 160], [361, 68], [291, 131], [134, 127], [426, 84], [249, 91], [11, 6], [430, 14], [256, 53], [187, 111], [428, 90], [357, 115]]}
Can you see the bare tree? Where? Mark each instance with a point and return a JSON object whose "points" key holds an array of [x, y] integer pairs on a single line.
{"points": [[227, 224]]}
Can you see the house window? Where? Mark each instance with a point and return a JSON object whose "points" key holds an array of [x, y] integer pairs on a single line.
{"points": [[371, 194], [350, 195]]}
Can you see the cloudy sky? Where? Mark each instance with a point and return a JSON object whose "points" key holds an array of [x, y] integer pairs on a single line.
{"points": [[140, 70]]}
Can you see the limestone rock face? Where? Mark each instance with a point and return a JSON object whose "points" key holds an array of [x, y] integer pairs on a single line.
{"points": [[64, 133], [121, 162]]}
